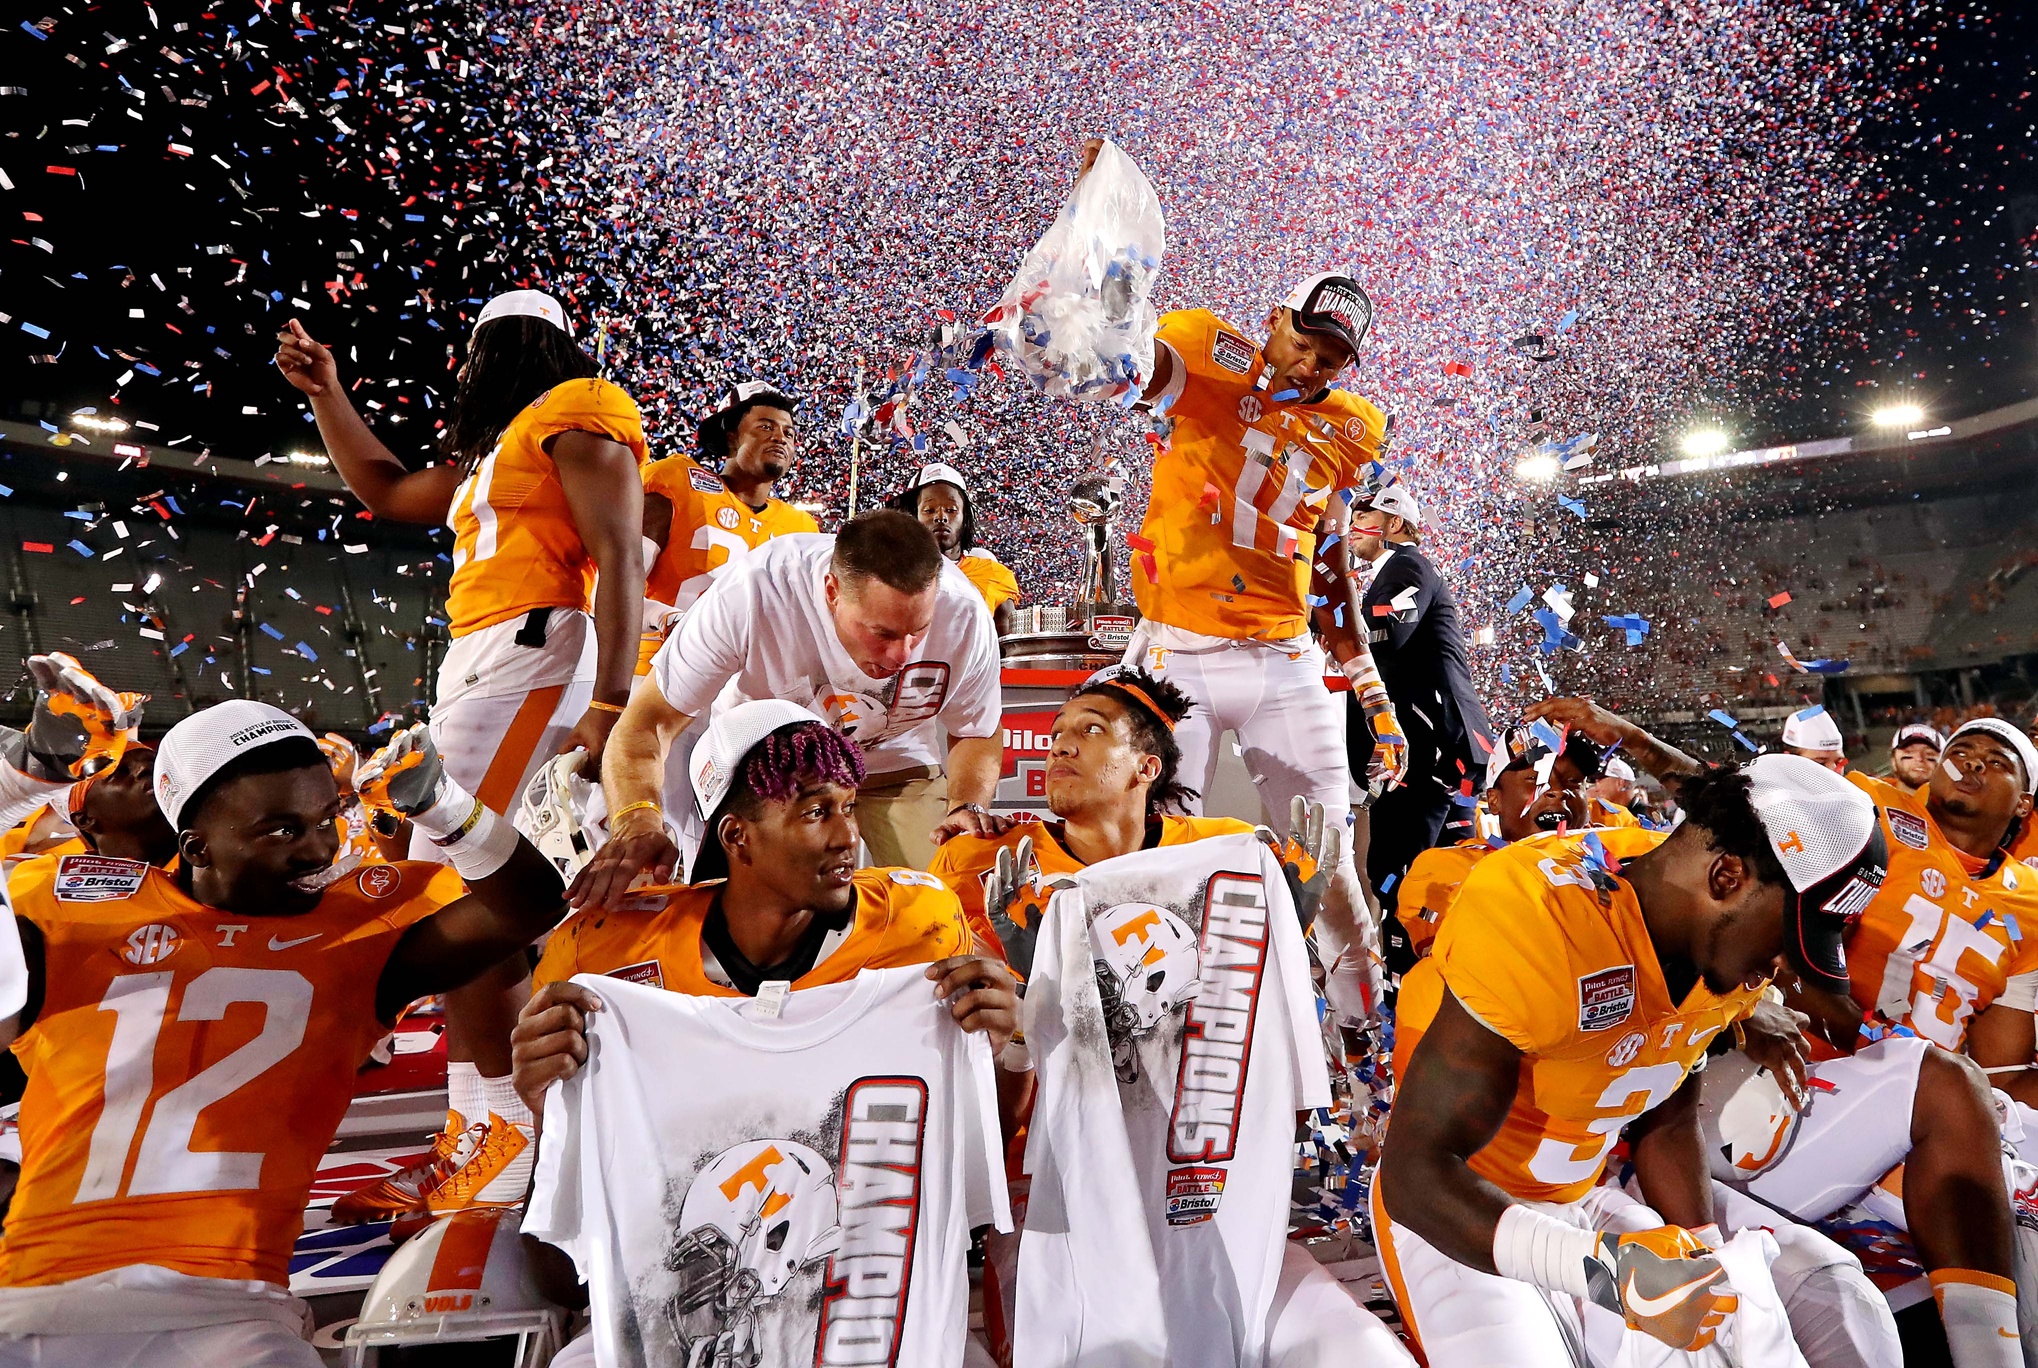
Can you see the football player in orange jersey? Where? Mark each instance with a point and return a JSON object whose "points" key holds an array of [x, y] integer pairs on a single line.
{"points": [[546, 504], [938, 497], [1935, 964], [1113, 780], [776, 896], [753, 440], [191, 1038], [1580, 979], [1243, 530], [76, 727]]}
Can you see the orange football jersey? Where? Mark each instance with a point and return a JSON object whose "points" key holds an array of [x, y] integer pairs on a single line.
{"points": [[964, 862], [778, 518], [17, 840], [991, 577], [1552, 954], [902, 917], [1231, 524], [1429, 886], [515, 545], [1936, 946], [2025, 846], [189, 1065]]}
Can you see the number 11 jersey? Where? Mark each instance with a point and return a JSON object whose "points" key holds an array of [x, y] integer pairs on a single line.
{"points": [[189, 1065]]}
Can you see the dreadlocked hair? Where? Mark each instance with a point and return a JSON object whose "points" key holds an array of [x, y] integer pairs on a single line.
{"points": [[802, 752], [510, 362], [1151, 733], [908, 502], [1719, 801]]}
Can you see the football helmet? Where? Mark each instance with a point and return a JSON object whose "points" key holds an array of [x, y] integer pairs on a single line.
{"points": [[461, 1281], [556, 813], [1146, 965], [1754, 1128]]}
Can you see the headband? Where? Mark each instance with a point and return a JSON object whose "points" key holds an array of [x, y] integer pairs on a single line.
{"points": [[1144, 700]]}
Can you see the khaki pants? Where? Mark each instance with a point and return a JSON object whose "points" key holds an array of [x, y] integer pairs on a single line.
{"points": [[898, 818]]}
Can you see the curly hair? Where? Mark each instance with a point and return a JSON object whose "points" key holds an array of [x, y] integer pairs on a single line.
{"points": [[907, 501], [1153, 730], [510, 362], [800, 753], [1719, 801]]}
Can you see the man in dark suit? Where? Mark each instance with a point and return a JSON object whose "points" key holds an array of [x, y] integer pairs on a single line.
{"points": [[1412, 623]]}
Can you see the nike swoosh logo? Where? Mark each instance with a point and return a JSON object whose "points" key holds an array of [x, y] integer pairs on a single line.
{"points": [[1644, 1307], [275, 944]]}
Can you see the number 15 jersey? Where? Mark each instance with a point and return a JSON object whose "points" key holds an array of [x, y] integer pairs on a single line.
{"points": [[189, 1066]]}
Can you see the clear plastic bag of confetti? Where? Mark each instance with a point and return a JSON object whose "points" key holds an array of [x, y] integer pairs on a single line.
{"points": [[1076, 318]]}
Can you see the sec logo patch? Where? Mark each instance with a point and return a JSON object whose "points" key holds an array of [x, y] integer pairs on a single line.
{"points": [[1933, 882], [726, 517], [1623, 1054], [1249, 408], [379, 881], [151, 944]]}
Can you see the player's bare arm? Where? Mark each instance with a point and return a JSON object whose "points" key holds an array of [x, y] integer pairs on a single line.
{"points": [[1669, 1157], [32, 962], [633, 776], [504, 912], [373, 473], [2003, 1041], [549, 1043], [606, 494], [1461, 1082], [973, 765], [1604, 728]]}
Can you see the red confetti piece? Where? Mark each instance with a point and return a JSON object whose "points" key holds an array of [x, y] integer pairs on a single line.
{"points": [[1778, 600], [44, 547]]}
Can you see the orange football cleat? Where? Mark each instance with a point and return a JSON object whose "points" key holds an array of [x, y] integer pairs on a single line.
{"points": [[403, 1193], [497, 1173]]}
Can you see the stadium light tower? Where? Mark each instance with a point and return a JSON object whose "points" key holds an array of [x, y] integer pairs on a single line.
{"points": [[1898, 415], [1704, 442]]}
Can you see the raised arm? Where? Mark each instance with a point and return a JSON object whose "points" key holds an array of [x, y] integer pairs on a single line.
{"points": [[605, 492], [371, 470], [1603, 728], [503, 913]]}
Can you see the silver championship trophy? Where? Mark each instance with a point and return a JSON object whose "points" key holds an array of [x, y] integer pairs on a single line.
{"points": [[1091, 632]]}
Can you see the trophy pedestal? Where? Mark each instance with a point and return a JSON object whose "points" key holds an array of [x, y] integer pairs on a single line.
{"points": [[1052, 638]]}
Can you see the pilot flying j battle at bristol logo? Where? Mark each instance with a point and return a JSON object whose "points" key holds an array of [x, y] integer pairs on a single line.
{"points": [[796, 1253]]}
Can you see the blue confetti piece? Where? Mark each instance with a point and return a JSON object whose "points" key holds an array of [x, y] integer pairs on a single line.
{"points": [[1815, 710], [81, 548], [270, 631], [259, 670], [1571, 505], [307, 652], [2016, 931], [1746, 742], [1521, 600], [179, 649], [1988, 914], [1725, 719], [32, 330]]}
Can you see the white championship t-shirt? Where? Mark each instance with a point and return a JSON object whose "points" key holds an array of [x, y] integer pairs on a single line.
{"points": [[1172, 1021], [788, 1192], [763, 630]]}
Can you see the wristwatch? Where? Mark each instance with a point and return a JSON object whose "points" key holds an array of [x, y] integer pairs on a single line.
{"points": [[978, 808]]}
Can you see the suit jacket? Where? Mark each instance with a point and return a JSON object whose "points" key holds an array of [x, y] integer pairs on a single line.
{"points": [[1419, 644]]}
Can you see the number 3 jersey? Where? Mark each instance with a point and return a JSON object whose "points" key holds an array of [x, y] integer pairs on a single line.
{"points": [[1174, 1027], [774, 1192], [1546, 946], [189, 1065]]}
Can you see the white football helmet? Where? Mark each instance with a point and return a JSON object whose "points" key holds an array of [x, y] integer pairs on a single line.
{"points": [[556, 813], [773, 1202], [422, 1299], [1146, 964], [1756, 1125]]}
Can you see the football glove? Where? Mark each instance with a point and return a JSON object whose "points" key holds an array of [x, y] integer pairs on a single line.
{"points": [[1016, 900], [1388, 765], [80, 726], [404, 777], [1308, 856], [1664, 1283]]}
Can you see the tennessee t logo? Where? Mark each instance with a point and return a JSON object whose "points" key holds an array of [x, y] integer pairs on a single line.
{"points": [[1138, 926], [752, 1175], [1792, 844]]}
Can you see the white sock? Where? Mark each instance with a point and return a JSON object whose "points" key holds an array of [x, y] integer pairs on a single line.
{"points": [[464, 1092], [1980, 1314], [504, 1102]]}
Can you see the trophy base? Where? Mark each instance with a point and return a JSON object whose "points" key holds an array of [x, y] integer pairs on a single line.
{"points": [[1054, 643]]}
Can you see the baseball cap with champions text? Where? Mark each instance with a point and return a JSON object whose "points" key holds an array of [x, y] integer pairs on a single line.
{"points": [[1812, 729], [1335, 305], [716, 760], [209, 740], [1824, 832]]}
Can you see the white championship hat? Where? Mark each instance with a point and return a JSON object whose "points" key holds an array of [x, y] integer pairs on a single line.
{"points": [[939, 472], [1915, 734], [1824, 832], [1395, 498], [2008, 734], [1617, 768], [1813, 729], [718, 757], [525, 303], [210, 739]]}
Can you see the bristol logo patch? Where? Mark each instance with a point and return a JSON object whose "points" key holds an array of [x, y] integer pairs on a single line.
{"points": [[1232, 352], [705, 482], [1908, 827], [1607, 998], [1193, 1194], [643, 971], [98, 878]]}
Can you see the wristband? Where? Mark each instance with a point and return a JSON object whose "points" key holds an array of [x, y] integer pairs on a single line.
{"points": [[626, 809], [1533, 1248], [597, 705], [1367, 685], [476, 841]]}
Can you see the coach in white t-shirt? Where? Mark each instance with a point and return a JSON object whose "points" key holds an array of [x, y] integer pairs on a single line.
{"points": [[874, 630]]}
